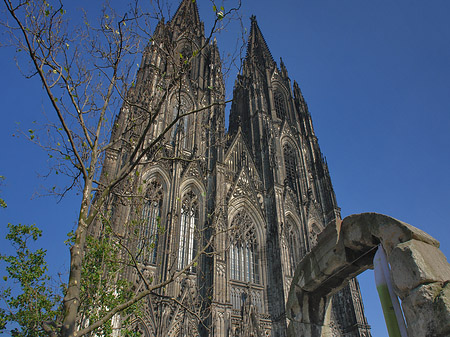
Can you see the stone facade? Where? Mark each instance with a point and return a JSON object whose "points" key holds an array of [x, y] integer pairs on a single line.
{"points": [[256, 197]]}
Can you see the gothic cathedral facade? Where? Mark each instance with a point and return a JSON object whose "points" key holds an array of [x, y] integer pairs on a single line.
{"points": [[235, 211]]}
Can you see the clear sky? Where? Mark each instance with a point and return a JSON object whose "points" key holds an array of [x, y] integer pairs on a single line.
{"points": [[376, 77]]}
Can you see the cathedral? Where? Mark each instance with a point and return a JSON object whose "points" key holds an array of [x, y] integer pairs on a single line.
{"points": [[224, 217]]}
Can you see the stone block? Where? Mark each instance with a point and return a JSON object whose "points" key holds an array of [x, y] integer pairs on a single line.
{"points": [[372, 227], [427, 310], [418, 310], [324, 260], [319, 265], [442, 310], [414, 263], [356, 233]]}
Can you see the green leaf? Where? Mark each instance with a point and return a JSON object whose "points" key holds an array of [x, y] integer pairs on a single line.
{"points": [[214, 8], [33, 300]]}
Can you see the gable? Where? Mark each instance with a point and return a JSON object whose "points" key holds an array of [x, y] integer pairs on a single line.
{"points": [[238, 156]]}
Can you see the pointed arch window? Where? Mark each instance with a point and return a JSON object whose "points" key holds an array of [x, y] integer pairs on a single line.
{"points": [[184, 124], [290, 165], [280, 104], [244, 257], [151, 222], [188, 242]]}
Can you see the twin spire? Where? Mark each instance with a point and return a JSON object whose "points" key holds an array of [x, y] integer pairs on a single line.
{"points": [[257, 46], [187, 14]]}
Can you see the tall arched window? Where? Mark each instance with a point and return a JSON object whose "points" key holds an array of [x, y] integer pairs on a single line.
{"points": [[244, 258], [184, 125], [280, 104], [290, 165], [151, 221], [188, 231]]}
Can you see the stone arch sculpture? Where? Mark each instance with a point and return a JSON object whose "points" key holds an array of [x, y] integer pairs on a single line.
{"points": [[419, 270]]}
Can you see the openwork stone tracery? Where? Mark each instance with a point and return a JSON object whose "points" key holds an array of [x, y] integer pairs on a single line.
{"points": [[150, 224], [244, 249], [189, 231]]}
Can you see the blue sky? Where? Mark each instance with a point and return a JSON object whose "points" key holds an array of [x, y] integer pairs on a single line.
{"points": [[376, 77]]}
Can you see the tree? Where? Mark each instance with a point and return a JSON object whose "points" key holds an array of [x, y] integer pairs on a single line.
{"points": [[87, 72], [36, 307]]}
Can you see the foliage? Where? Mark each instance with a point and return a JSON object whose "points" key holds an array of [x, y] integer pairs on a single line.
{"points": [[102, 288], [37, 303], [35, 308]]}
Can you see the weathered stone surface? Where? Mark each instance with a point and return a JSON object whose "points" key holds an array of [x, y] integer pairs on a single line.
{"points": [[356, 234], [414, 263], [309, 314], [442, 310], [418, 309], [325, 259], [427, 310], [368, 229]]}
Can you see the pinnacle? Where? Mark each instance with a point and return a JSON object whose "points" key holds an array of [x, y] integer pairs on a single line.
{"points": [[257, 47], [187, 14]]}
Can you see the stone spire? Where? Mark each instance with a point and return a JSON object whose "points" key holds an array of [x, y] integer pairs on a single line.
{"points": [[187, 15], [257, 49]]}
